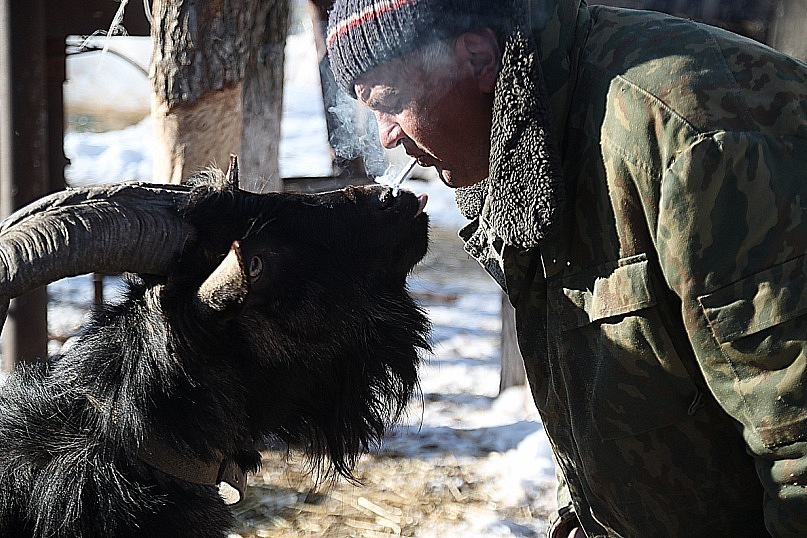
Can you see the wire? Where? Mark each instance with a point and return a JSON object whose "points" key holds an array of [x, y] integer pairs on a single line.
{"points": [[86, 47]]}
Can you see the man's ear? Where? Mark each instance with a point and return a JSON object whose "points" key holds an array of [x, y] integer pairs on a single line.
{"points": [[480, 50]]}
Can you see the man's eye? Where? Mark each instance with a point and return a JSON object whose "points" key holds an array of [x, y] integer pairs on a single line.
{"points": [[392, 108], [387, 111]]}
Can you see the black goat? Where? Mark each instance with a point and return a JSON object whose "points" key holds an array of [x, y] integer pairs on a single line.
{"points": [[254, 318]]}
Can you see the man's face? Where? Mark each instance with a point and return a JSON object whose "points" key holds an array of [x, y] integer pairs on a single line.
{"points": [[438, 114]]}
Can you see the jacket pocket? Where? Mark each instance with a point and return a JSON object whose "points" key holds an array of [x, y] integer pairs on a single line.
{"points": [[611, 290], [760, 326], [616, 338]]}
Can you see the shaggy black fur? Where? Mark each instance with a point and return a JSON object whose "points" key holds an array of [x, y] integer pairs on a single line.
{"points": [[322, 354]]}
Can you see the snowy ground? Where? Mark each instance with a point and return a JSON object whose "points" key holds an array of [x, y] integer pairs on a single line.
{"points": [[460, 416]]}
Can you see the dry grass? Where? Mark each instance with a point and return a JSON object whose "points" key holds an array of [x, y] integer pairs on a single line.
{"points": [[397, 497]]}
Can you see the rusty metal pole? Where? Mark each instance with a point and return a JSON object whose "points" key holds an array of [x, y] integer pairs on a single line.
{"points": [[23, 155]]}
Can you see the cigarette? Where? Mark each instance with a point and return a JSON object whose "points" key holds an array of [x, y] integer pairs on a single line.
{"points": [[404, 174]]}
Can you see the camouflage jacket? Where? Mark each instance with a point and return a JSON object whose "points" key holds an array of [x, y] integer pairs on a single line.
{"points": [[661, 287]]}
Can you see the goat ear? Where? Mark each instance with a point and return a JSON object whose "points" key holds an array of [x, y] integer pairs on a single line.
{"points": [[227, 286]]}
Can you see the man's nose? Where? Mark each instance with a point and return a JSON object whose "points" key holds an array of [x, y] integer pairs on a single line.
{"points": [[389, 131]]}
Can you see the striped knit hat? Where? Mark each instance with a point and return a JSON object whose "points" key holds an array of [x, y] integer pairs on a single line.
{"points": [[363, 34]]}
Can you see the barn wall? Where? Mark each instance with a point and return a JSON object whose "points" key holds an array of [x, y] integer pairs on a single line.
{"points": [[746, 17]]}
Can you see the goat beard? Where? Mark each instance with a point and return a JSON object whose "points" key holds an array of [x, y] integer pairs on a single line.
{"points": [[342, 407], [332, 395]]}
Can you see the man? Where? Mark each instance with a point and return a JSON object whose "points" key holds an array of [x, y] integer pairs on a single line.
{"points": [[637, 184]]}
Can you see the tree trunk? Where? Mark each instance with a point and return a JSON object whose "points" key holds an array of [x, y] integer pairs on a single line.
{"points": [[214, 62]]}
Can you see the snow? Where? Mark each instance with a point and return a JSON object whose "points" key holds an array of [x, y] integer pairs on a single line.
{"points": [[460, 413], [112, 156], [107, 81]]}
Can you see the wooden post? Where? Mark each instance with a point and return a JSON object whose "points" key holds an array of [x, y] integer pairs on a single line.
{"points": [[512, 366], [263, 98], [23, 155], [341, 127]]}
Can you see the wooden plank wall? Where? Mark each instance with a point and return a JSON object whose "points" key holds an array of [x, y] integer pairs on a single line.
{"points": [[778, 23]]}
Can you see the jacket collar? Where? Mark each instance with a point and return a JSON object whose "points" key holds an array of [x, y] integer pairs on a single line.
{"points": [[522, 201]]}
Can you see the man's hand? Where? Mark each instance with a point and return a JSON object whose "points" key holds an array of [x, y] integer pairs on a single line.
{"points": [[568, 528]]}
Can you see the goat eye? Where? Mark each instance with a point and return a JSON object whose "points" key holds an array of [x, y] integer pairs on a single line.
{"points": [[255, 267]]}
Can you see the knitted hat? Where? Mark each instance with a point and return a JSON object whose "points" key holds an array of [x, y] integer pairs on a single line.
{"points": [[363, 34]]}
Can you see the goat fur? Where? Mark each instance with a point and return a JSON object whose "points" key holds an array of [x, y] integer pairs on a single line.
{"points": [[321, 354]]}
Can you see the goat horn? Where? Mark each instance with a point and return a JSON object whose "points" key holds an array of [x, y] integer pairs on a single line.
{"points": [[228, 285], [112, 228], [232, 173]]}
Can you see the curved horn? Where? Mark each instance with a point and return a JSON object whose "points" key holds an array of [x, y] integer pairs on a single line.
{"points": [[112, 228]]}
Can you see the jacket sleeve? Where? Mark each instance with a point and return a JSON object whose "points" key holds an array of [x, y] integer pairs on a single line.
{"points": [[732, 242]]}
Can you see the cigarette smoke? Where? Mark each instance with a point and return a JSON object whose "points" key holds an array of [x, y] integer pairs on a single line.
{"points": [[354, 134], [353, 129]]}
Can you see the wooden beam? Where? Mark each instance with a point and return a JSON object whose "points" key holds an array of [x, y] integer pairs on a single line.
{"points": [[84, 17], [23, 155]]}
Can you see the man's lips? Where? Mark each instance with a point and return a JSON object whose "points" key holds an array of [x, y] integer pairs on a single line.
{"points": [[424, 159]]}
